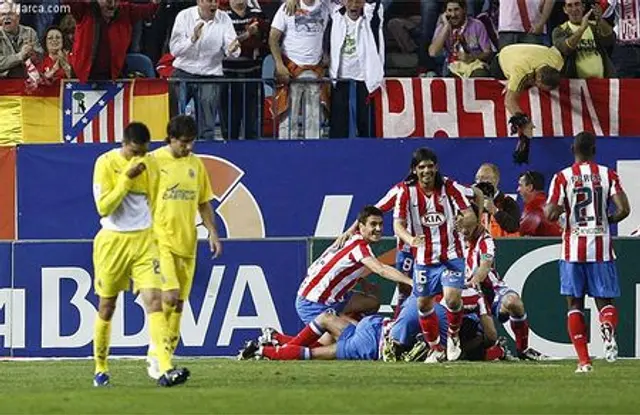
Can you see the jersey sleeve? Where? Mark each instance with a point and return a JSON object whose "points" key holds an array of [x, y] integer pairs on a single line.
{"points": [[109, 189], [388, 201], [487, 248], [205, 193], [615, 187], [362, 251], [556, 190], [458, 193], [401, 204]]}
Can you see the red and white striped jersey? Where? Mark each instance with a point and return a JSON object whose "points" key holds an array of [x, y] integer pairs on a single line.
{"points": [[336, 272], [434, 217], [584, 190], [473, 302], [483, 248], [387, 203]]}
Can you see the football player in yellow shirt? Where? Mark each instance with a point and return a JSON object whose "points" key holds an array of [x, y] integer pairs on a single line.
{"points": [[184, 191], [125, 187]]}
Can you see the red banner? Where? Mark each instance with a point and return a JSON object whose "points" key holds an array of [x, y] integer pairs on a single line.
{"points": [[7, 192], [447, 107]]}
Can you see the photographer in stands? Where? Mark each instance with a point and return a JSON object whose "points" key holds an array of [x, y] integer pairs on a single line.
{"points": [[501, 214]]}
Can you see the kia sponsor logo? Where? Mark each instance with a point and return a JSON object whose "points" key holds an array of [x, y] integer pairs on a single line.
{"points": [[433, 219]]}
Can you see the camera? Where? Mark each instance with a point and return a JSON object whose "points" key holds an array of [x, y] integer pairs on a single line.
{"points": [[487, 189]]}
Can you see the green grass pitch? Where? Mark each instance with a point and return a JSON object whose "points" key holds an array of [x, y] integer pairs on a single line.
{"points": [[228, 386]]}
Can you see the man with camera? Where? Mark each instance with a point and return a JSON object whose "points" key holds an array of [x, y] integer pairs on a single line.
{"points": [[501, 214], [584, 41]]}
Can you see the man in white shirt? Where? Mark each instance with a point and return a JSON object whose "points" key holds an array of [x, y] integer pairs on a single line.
{"points": [[202, 36], [523, 21], [626, 54], [299, 57], [357, 58]]}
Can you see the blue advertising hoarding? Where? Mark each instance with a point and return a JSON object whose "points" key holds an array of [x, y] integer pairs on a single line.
{"points": [[252, 286], [281, 189], [5, 299]]}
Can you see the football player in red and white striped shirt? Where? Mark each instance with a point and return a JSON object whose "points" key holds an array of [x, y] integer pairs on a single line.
{"points": [[587, 265], [506, 304], [336, 272], [404, 256], [432, 205]]}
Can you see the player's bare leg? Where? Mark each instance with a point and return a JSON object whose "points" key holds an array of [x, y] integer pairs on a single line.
{"points": [[102, 339], [578, 333], [453, 304], [159, 335], [361, 303], [513, 306], [608, 323]]}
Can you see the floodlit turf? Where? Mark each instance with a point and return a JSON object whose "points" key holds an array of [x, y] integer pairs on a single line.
{"points": [[227, 386]]}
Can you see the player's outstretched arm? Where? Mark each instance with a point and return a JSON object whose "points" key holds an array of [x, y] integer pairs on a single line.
{"points": [[400, 229], [342, 239], [480, 273], [385, 271], [623, 209]]}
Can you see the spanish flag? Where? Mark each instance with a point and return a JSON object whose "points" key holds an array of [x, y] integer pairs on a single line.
{"points": [[73, 112]]}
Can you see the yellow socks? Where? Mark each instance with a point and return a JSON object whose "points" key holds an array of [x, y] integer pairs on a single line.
{"points": [[174, 330], [159, 334], [101, 340]]}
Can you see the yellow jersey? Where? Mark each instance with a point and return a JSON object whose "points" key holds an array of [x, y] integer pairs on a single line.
{"points": [[519, 62], [183, 185], [124, 204]]}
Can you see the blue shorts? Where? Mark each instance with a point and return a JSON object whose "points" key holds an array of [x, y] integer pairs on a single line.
{"points": [[309, 310], [428, 280], [407, 326], [404, 262], [361, 341], [597, 279]]}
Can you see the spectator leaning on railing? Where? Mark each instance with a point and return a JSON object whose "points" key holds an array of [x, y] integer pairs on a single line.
{"points": [[202, 36], [357, 58], [18, 43], [465, 41], [300, 25], [241, 102], [103, 34], [526, 66], [584, 43]]}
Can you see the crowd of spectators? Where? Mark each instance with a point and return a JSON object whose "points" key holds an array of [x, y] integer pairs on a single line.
{"points": [[217, 45]]}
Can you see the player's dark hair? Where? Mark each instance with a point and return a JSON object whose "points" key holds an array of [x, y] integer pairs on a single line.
{"points": [[584, 145], [534, 178], [550, 76], [420, 155], [367, 211], [461, 3], [182, 126], [137, 133]]}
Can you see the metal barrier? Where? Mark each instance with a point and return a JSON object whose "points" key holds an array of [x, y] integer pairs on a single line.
{"points": [[246, 108]]}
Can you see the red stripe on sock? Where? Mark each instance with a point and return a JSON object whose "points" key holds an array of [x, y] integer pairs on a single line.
{"points": [[578, 335]]}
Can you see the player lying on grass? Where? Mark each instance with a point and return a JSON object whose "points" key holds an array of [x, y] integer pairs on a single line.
{"points": [[478, 335], [332, 277]]}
